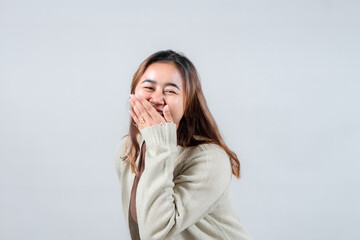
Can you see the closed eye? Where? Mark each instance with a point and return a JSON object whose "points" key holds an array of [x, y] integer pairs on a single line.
{"points": [[151, 88], [170, 91]]}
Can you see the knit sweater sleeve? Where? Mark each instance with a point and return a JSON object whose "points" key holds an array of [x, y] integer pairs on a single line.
{"points": [[167, 206]]}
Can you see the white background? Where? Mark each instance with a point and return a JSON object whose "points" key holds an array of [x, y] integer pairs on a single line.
{"points": [[281, 79]]}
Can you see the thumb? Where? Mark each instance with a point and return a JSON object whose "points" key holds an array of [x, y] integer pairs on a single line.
{"points": [[167, 114]]}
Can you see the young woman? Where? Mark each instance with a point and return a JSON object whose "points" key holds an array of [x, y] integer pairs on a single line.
{"points": [[173, 165]]}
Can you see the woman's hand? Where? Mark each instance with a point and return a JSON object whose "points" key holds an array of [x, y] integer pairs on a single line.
{"points": [[145, 115]]}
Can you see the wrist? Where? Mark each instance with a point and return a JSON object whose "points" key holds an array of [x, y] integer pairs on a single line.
{"points": [[159, 134]]}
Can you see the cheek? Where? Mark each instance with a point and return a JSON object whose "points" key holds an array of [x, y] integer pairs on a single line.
{"points": [[177, 107], [177, 101], [141, 92]]}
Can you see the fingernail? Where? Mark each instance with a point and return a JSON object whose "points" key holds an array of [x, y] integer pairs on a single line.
{"points": [[166, 108]]}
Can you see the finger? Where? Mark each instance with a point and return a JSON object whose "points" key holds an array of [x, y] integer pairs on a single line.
{"points": [[138, 109], [136, 114], [147, 119], [150, 111], [135, 118], [134, 109], [167, 114], [140, 122], [144, 119]]}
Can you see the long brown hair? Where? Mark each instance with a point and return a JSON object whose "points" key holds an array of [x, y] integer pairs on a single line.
{"points": [[197, 119]]}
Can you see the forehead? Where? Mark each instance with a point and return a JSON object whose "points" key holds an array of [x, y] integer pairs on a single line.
{"points": [[163, 72]]}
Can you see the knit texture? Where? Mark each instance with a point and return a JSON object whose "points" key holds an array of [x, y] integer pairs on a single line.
{"points": [[183, 193]]}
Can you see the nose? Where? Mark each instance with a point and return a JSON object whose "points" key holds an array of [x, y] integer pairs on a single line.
{"points": [[157, 98]]}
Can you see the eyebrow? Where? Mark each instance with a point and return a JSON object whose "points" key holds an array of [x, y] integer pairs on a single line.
{"points": [[166, 84]]}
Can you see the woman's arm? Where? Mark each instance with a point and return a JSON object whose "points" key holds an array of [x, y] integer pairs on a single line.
{"points": [[166, 207]]}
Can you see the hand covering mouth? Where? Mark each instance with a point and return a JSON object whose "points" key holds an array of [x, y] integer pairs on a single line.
{"points": [[159, 110]]}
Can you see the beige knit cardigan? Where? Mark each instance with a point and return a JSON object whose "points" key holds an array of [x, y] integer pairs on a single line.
{"points": [[183, 193]]}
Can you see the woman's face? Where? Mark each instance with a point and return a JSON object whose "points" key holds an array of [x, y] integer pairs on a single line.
{"points": [[161, 85]]}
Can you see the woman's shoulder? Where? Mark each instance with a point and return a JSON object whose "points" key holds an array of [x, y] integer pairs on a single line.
{"points": [[209, 155], [207, 163], [209, 149]]}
